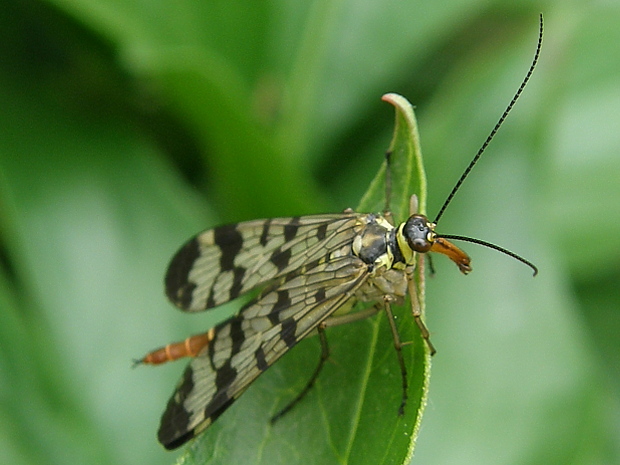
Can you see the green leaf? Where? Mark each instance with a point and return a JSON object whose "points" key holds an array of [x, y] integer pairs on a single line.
{"points": [[407, 167], [351, 414]]}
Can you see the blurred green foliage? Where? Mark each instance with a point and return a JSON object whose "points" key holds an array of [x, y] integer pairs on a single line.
{"points": [[128, 126]]}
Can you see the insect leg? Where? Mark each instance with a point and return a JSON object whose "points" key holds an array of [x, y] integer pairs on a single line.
{"points": [[313, 378], [431, 268], [398, 345], [413, 204], [415, 307], [388, 180], [351, 317]]}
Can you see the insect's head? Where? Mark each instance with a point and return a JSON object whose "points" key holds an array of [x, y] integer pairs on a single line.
{"points": [[417, 234]]}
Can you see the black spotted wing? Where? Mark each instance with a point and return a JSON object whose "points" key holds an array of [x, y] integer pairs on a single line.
{"points": [[245, 345], [220, 264]]}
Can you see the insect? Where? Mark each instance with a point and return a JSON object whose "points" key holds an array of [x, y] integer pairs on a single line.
{"points": [[311, 271]]}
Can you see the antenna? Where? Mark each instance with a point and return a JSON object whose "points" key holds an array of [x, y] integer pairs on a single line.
{"points": [[491, 246], [490, 138]]}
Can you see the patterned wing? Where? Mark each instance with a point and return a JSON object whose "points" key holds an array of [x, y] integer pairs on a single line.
{"points": [[247, 344], [220, 264]]}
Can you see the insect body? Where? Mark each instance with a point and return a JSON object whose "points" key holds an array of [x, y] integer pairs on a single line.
{"points": [[311, 271], [313, 266]]}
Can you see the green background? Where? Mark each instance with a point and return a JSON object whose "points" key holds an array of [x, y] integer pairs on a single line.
{"points": [[128, 126]]}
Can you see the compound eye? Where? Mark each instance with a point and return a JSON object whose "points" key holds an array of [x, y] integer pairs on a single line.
{"points": [[418, 232]]}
